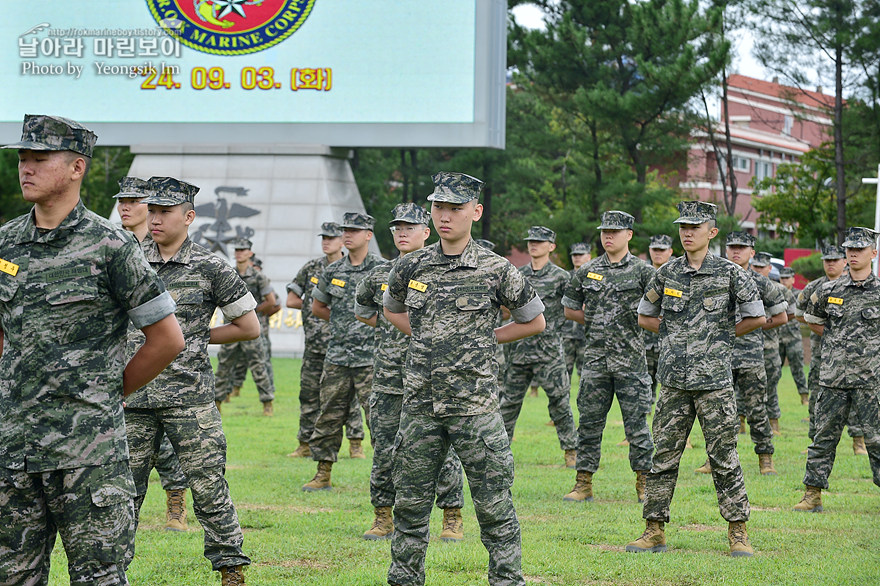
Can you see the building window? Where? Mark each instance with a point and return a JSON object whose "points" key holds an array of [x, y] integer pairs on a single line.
{"points": [[789, 122], [741, 164], [763, 170]]}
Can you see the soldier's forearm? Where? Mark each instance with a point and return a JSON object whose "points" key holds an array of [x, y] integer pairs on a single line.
{"points": [[817, 329], [574, 315], [294, 300], [515, 331], [652, 324], [775, 321], [398, 320], [749, 324], [164, 341]]}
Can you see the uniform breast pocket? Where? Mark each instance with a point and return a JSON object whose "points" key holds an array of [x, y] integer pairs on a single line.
{"points": [[8, 287], [65, 292], [75, 314], [336, 291], [473, 302], [871, 317], [673, 304], [834, 310], [416, 299], [715, 303], [629, 292], [188, 303]]}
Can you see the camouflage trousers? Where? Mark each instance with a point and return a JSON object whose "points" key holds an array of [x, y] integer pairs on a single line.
{"points": [[385, 411], [240, 368], [553, 378], [773, 368], [310, 401], [834, 407], [253, 353], [793, 350], [853, 427], [419, 453], [339, 385], [573, 349], [596, 393], [673, 419], [652, 356], [750, 383], [90, 507], [168, 467], [196, 433]]}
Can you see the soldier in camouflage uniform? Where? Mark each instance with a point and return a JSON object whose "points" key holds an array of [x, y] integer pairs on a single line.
{"points": [[70, 284], [660, 249], [604, 295], [749, 371], [791, 343], [317, 336], [133, 213], [410, 229], [846, 313], [539, 359], [348, 366], [573, 336], [699, 297], [253, 352], [447, 296], [180, 402]]}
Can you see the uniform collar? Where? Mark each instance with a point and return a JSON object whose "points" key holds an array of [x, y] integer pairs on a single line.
{"points": [[58, 236], [605, 261], [182, 256], [708, 266], [872, 282], [469, 257]]}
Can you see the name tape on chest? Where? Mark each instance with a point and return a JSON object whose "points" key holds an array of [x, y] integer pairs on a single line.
{"points": [[672, 292], [595, 276], [384, 286], [835, 300], [8, 267], [413, 284], [338, 282], [314, 280]]}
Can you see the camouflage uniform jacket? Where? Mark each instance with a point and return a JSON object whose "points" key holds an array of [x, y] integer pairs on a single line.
{"points": [[803, 299], [258, 284], [609, 295], [748, 350], [850, 312], [391, 343], [772, 336], [316, 330], [199, 281], [699, 308], [453, 305], [790, 331], [549, 283], [351, 342], [571, 330], [64, 316]]}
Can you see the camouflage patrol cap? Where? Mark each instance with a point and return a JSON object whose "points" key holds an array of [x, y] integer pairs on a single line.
{"points": [[242, 244], [134, 187], [786, 272], [860, 238], [661, 241], [541, 234], [357, 221], [487, 244], [761, 259], [170, 192], [455, 187], [330, 229], [740, 239], [695, 212], [579, 248], [833, 252], [411, 213], [40, 132], [616, 220], [257, 262]]}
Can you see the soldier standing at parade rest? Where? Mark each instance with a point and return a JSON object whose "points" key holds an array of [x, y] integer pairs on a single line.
{"points": [[604, 295], [694, 302], [447, 297], [409, 227], [748, 368], [660, 250], [134, 219], [572, 332], [180, 402], [846, 313], [317, 336], [791, 342], [70, 284], [540, 359], [253, 352], [348, 366], [834, 265]]}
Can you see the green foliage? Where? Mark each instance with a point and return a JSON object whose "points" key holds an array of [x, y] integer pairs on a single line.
{"points": [[809, 266]]}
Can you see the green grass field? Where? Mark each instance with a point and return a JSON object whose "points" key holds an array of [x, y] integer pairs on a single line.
{"points": [[315, 539]]}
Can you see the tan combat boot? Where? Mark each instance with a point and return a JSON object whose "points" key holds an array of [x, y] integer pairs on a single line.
{"points": [[765, 463], [624, 443], [688, 445], [805, 399], [739, 540], [321, 481], [570, 458], [533, 391], [550, 423], [218, 403], [383, 525], [583, 488], [706, 468], [356, 449], [453, 526], [859, 448], [302, 451], [236, 391], [641, 480], [232, 576], [175, 510], [653, 539], [774, 427], [268, 410], [742, 424], [812, 501]]}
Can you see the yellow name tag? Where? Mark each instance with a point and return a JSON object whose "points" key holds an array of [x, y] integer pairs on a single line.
{"points": [[835, 300], [672, 292], [384, 286], [8, 267], [338, 282], [418, 286], [594, 276], [314, 280]]}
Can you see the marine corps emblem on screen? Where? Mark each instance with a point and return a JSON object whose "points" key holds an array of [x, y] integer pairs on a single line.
{"points": [[230, 27]]}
